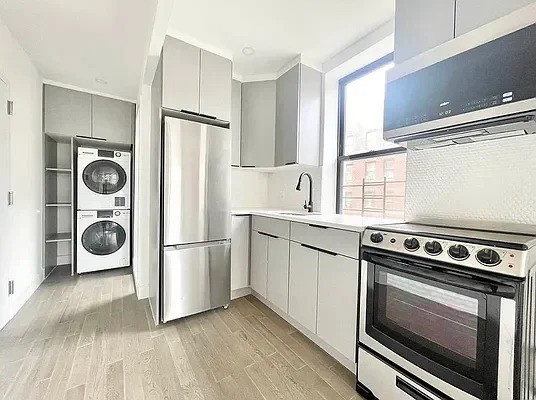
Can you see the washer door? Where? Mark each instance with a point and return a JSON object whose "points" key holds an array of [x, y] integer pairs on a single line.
{"points": [[103, 238], [104, 177]]}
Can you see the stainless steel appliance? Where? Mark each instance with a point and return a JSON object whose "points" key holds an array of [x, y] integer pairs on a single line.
{"points": [[447, 313], [479, 86], [196, 216]]}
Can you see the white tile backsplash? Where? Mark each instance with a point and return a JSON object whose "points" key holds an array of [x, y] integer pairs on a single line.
{"points": [[493, 181], [282, 191], [249, 188]]}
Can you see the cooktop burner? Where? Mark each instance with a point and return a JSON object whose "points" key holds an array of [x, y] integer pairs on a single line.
{"points": [[505, 253]]}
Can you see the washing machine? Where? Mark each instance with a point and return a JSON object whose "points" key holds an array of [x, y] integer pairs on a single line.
{"points": [[103, 240], [103, 179]]}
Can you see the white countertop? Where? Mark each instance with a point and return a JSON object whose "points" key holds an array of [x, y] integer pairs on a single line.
{"points": [[347, 222]]}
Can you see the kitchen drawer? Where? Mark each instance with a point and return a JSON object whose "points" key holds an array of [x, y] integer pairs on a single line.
{"points": [[272, 226], [386, 383], [335, 240]]}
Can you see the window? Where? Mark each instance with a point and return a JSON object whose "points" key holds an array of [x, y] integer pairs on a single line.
{"points": [[372, 171]]}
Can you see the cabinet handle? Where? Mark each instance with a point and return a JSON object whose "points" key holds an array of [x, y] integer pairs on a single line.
{"points": [[320, 250], [290, 163], [89, 137], [248, 166], [318, 226], [267, 234], [410, 390], [198, 114]]}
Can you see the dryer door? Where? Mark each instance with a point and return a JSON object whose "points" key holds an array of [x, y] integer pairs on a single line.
{"points": [[103, 238], [104, 177]]}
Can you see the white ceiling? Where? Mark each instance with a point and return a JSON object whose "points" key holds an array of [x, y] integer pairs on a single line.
{"points": [[77, 41], [279, 30]]}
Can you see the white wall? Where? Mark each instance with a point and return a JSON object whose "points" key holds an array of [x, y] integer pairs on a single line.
{"points": [[25, 234], [249, 188], [487, 182], [282, 193]]}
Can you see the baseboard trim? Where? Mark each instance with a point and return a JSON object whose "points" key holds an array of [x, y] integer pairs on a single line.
{"points": [[235, 294], [348, 364]]}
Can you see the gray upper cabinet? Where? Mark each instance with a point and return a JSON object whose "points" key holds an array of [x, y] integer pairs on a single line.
{"points": [[471, 14], [180, 89], [421, 25], [113, 120], [215, 86], [196, 80], [298, 111], [258, 124], [67, 112], [236, 122]]}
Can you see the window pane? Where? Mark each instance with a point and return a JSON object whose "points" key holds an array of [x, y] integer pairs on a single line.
{"points": [[374, 187], [363, 113]]}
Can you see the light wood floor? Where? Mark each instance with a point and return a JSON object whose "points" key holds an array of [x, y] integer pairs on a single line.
{"points": [[90, 338]]}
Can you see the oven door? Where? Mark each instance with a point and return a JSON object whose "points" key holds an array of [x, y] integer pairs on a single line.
{"points": [[444, 323]]}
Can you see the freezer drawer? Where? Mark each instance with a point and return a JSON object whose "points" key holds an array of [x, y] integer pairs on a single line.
{"points": [[195, 279], [197, 182]]}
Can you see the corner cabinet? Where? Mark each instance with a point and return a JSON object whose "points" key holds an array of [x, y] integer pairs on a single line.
{"points": [[298, 115], [69, 113], [195, 80], [258, 124], [240, 252], [236, 122]]}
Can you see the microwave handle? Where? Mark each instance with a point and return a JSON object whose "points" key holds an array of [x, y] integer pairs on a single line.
{"points": [[410, 390], [496, 289]]}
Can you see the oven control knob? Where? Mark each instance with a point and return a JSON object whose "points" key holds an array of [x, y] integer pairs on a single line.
{"points": [[433, 248], [488, 257], [458, 252], [376, 237], [411, 244]]}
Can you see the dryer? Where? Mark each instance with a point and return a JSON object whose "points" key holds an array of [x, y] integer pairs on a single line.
{"points": [[103, 179], [103, 240]]}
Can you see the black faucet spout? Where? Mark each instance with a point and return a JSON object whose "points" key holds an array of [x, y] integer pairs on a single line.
{"points": [[308, 205]]}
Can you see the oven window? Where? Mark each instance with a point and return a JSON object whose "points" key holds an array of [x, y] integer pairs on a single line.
{"points": [[443, 323]]}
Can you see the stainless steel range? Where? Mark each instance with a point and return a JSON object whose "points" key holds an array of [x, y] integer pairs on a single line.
{"points": [[447, 313]]}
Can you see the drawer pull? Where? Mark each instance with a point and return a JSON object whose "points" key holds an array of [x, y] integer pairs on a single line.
{"points": [[320, 250], [267, 234], [318, 226], [410, 390]]}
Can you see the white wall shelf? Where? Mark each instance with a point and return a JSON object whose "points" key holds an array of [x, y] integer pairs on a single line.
{"points": [[58, 237]]}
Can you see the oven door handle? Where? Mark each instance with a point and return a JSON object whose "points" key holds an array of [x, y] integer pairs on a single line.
{"points": [[453, 279], [410, 390]]}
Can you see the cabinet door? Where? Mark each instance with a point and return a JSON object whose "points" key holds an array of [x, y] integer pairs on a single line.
{"points": [[236, 122], [303, 285], [310, 116], [180, 86], [67, 112], [240, 252], [5, 215], [259, 262], [215, 86], [337, 302], [421, 25], [113, 120], [258, 124], [287, 114], [471, 14], [278, 263]]}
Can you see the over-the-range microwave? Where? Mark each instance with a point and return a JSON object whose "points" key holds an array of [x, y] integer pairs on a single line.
{"points": [[479, 86]]}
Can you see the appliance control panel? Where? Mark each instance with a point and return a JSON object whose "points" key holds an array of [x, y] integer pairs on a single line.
{"points": [[459, 252]]}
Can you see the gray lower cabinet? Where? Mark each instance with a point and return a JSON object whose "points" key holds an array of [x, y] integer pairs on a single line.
{"points": [[113, 120], [471, 14], [337, 302], [298, 116], [259, 262], [303, 285], [421, 25], [258, 124], [278, 269], [66, 112], [180, 71], [236, 121]]}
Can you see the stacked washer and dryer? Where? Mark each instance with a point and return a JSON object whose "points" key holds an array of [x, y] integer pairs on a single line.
{"points": [[103, 211]]}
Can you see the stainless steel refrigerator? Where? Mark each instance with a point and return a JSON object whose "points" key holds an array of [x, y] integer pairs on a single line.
{"points": [[196, 218]]}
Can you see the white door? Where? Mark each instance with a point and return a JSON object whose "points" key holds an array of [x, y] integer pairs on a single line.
{"points": [[278, 260], [303, 285], [240, 252], [4, 207], [337, 302], [259, 262]]}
